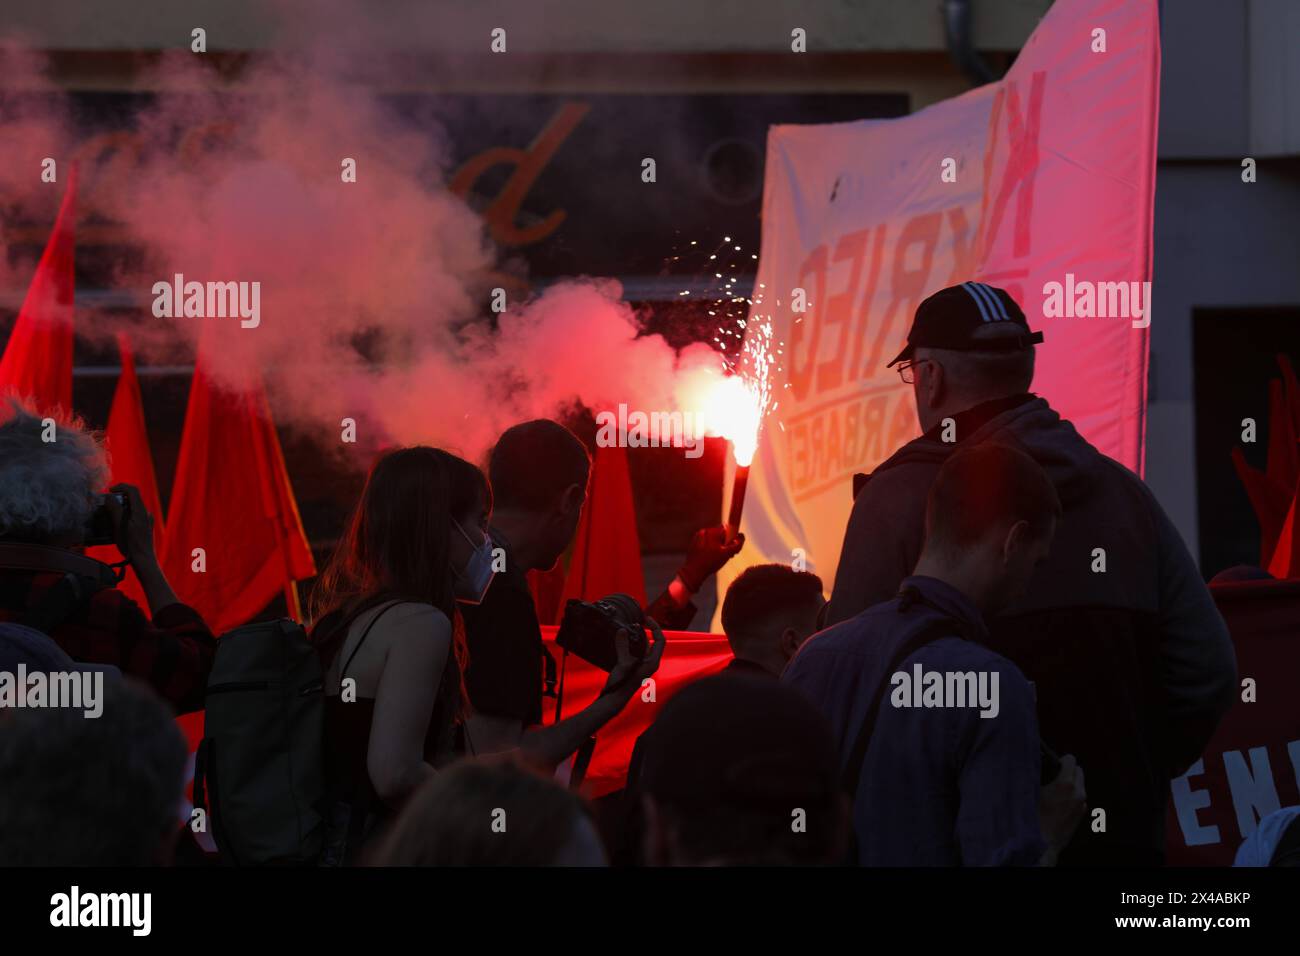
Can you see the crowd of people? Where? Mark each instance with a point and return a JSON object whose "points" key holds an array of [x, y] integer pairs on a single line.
{"points": [[981, 687]]}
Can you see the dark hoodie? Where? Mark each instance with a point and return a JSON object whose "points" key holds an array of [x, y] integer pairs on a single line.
{"points": [[1133, 665]]}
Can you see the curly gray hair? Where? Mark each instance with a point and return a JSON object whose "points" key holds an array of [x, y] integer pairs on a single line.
{"points": [[47, 487]]}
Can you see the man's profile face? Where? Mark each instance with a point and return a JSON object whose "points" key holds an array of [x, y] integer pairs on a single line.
{"points": [[564, 521], [573, 516]]}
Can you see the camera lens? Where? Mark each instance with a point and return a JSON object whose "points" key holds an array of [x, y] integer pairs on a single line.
{"points": [[625, 609]]}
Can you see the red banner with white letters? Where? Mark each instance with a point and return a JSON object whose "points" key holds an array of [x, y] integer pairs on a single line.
{"points": [[1252, 765]]}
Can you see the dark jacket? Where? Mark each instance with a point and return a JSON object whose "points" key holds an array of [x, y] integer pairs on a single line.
{"points": [[941, 786], [508, 661], [506, 672], [172, 651], [1134, 666]]}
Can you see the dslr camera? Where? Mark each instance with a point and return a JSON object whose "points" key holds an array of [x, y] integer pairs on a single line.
{"points": [[99, 527], [589, 629]]}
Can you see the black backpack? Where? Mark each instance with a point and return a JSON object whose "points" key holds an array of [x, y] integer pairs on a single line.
{"points": [[259, 769]]}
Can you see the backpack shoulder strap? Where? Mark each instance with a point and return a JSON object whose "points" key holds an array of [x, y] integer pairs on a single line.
{"points": [[366, 633], [933, 631]]}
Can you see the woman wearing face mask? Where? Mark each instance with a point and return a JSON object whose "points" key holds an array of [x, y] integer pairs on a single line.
{"points": [[390, 637]]}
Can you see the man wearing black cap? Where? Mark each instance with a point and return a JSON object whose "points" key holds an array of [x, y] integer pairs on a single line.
{"points": [[1132, 662]]}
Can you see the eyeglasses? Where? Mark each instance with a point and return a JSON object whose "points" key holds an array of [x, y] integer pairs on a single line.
{"points": [[906, 373]]}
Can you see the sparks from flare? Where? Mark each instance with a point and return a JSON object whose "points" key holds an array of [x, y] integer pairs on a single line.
{"points": [[744, 398], [736, 405]]}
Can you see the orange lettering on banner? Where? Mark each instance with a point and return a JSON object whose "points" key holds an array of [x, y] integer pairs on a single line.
{"points": [[851, 246], [851, 439], [909, 285], [500, 215], [805, 326], [873, 421], [797, 463], [864, 307], [827, 444], [817, 437], [963, 247], [1018, 170], [904, 426], [834, 461], [796, 455]]}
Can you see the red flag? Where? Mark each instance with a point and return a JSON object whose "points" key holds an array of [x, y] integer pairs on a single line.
{"points": [[548, 592], [232, 499], [688, 656], [1272, 492], [1283, 562], [130, 461], [37, 362], [607, 554]]}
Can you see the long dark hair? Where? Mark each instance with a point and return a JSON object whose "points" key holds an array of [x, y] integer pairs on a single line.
{"points": [[395, 546]]}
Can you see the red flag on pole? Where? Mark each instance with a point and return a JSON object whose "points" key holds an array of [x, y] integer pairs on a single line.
{"points": [[130, 461], [1283, 562], [1273, 491], [607, 553], [37, 362], [234, 537], [547, 588]]}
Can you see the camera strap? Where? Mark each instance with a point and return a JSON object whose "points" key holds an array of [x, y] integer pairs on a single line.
{"points": [[40, 557], [81, 577], [550, 672]]}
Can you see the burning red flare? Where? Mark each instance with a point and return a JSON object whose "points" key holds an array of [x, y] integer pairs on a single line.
{"points": [[735, 411]]}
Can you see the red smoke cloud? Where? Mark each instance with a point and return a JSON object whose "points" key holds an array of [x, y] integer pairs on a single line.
{"points": [[374, 294]]}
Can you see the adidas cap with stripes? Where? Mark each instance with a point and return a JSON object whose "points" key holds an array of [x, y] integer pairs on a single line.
{"points": [[948, 320]]}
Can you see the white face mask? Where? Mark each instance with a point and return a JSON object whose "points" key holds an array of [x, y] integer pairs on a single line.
{"points": [[472, 583]]}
